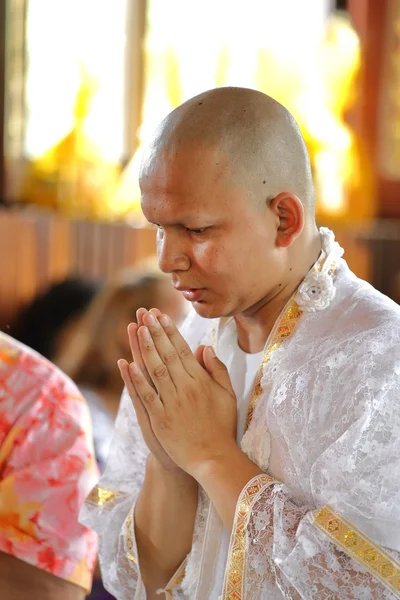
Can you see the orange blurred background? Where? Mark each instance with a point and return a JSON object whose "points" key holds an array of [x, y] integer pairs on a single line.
{"points": [[84, 82]]}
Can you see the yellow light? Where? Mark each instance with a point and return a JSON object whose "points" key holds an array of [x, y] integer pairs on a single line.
{"points": [[313, 74]]}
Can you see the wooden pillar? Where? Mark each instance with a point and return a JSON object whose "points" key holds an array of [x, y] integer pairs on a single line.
{"points": [[2, 94], [135, 32], [377, 115], [13, 110]]}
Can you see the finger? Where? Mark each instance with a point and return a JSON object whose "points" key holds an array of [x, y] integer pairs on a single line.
{"points": [[135, 349], [139, 316], [155, 365], [217, 369], [146, 392], [186, 355], [198, 353], [124, 370], [166, 351], [142, 311], [141, 412]]}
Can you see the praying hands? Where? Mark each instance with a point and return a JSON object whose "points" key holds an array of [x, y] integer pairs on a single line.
{"points": [[184, 402]]}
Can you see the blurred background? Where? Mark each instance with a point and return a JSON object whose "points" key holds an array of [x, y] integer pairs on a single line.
{"points": [[84, 82]]}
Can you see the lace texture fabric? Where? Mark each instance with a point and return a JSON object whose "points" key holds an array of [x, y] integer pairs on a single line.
{"points": [[109, 508], [333, 413], [288, 557], [330, 407]]}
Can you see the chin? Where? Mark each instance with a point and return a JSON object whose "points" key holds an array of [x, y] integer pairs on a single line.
{"points": [[207, 310]]}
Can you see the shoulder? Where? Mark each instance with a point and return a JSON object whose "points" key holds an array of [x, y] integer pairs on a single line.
{"points": [[360, 328], [362, 300], [359, 315], [28, 374], [47, 461], [36, 396]]}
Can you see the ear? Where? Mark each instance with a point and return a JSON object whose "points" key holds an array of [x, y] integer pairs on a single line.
{"points": [[290, 214]]}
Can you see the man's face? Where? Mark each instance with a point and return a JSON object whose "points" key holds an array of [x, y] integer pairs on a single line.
{"points": [[218, 246]]}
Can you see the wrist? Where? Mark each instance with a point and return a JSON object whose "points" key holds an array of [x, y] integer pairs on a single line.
{"points": [[171, 473], [230, 461]]}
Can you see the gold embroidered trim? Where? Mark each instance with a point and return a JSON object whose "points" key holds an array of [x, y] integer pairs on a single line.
{"points": [[283, 330], [233, 584], [174, 582], [354, 543], [99, 496], [178, 576], [129, 539]]}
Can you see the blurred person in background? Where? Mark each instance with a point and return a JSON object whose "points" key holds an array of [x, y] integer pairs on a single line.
{"points": [[47, 468], [44, 324], [99, 339]]}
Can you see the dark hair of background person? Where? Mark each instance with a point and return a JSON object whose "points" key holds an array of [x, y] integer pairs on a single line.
{"points": [[100, 337], [40, 324]]}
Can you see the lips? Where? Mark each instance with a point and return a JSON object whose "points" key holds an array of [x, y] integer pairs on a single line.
{"points": [[191, 294]]}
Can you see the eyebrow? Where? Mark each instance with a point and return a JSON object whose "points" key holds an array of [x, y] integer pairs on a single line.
{"points": [[199, 221]]}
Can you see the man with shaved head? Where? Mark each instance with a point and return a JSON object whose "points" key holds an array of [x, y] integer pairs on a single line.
{"points": [[256, 453]]}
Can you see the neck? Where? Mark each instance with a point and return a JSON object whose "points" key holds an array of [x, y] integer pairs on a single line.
{"points": [[255, 324]]}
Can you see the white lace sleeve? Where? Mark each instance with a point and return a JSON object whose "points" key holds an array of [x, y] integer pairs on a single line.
{"points": [[347, 544], [108, 509], [310, 555]]}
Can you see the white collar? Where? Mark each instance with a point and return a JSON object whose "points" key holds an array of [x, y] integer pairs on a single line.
{"points": [[317, 290]]}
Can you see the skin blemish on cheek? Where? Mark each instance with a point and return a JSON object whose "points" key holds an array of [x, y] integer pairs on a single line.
{"points": [[264, 181]]}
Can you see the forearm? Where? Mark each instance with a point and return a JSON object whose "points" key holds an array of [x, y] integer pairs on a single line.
{"points": [[164, 520], [224, 478], [22, 581]]}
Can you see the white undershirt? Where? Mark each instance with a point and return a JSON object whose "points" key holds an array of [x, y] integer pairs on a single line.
{"points": [[242, 368]]}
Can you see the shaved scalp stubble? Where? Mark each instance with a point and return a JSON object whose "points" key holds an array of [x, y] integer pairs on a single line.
{"points": [[257, 136]]}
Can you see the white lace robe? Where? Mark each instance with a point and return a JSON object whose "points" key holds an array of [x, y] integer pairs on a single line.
{"points": [[331, 528]]}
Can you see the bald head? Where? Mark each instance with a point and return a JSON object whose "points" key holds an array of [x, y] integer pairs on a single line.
{"points": [[260, 139]]}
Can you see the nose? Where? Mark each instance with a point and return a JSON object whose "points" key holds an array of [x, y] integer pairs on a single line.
{"points": [[171, 252]]}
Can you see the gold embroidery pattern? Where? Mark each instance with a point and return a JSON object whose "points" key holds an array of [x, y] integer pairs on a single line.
{"points": [[175, 581], [359, 547], [128, 535], [283, 330], [178, 576], [99, 496], [233, 584]]}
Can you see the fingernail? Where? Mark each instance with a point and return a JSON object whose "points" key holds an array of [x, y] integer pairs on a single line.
{"points": [[164, 320], [150, 319], [212, 352]]}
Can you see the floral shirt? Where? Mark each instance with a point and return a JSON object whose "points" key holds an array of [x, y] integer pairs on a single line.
{"points": [[47, 466]]}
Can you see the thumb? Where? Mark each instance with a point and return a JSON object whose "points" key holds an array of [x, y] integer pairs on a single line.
{"points": [[199, 356], [217, 369]]}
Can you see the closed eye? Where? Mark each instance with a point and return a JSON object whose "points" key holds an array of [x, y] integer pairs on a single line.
{"points": [[197, 231]]}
